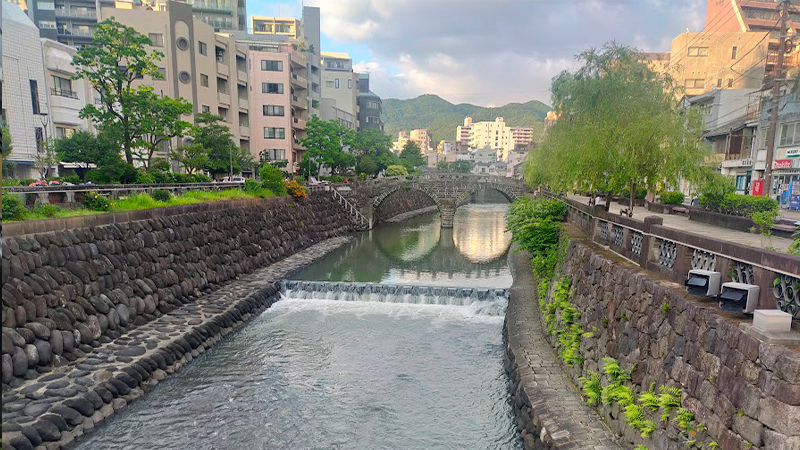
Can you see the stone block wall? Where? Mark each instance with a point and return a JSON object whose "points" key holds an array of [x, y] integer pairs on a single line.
{"points": [[67, 292], [746, 392]]}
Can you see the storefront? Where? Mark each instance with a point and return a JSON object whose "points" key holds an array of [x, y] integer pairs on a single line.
{"points": [[786, 180]]}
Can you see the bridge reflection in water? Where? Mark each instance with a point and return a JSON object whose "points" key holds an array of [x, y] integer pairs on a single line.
{"points": [[419, 251]]}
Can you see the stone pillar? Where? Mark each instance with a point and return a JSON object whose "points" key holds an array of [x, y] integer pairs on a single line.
{"points": [[42, 198], [70, 197], [447, 212], [648, 242]]}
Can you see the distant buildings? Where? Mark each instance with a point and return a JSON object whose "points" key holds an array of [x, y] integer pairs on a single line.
{"points": [[496, 135], [464, 133], [370, 106], [725, 16], [339, 89], [422, 138]]}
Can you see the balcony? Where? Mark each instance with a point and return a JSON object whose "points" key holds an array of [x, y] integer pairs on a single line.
{"points": [[299, 123], [224, 98], [63, 93], [76, 13], [298, 59], [299, 81], [222, 68], [76, 32], [244, 103], [299, 103], [244, 131], [296, 145], [242, 75]]}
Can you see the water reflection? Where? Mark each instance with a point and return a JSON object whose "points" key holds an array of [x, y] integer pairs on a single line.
{"points": [[419, 251]]}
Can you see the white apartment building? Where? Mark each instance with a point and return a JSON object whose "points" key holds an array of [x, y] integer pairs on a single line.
{"points": [[67, 96], [26, 109], [464, 133], [422, 138], [339, 91], [496, 135]]}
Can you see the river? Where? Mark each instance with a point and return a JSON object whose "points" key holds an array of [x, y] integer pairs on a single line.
{"points": [[326, 374]]}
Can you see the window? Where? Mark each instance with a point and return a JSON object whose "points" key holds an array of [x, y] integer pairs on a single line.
{"points": [[182, 43], [206, 108], [698, 51], [274, 133], [202, 47], [730, 82], [719, 82], [39, 132], [47, 25], [349, 84], [163, 72], [273, 110], [203, 80], [694, 83], [35, 97], [790, 134], [373, 119], [373, 105], [184, 77], [272, 88], [156, 39], [734, 51], [62, 87], [336, 83], [329, 84], [274, 154], [271, 66]]}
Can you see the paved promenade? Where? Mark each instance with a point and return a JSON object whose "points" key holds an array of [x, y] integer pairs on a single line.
{"points": [[544, 395], [681, 222]]}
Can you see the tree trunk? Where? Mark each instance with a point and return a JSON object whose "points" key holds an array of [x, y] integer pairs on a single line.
{"points": [[631, 200], [608, 201]]}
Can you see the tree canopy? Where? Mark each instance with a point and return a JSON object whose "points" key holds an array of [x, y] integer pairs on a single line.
{"points": [[620, 127], [224, 156], [325, 143], [411, 156], [159, 121]]}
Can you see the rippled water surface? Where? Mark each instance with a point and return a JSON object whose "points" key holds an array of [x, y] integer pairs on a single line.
{"points": [[322, 374]]}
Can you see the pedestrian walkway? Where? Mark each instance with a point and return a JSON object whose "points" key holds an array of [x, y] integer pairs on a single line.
{"points": [[681, 222], [551, 400]]}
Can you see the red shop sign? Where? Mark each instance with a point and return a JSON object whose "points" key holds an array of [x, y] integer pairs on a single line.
{"points": [[758, 188], [782, 164]]}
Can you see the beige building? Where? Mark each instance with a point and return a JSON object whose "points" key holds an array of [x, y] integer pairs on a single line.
{"points": [[339, 89], [521, 136], [206, 68], [67, 96], [422, 138], [402, 138], [732, 60], [464, 133]]}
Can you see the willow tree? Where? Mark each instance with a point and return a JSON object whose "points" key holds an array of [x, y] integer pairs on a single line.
{"points": [[620, 127]]}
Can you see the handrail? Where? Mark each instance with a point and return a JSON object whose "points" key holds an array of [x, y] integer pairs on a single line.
{"points": [[352, 209]]}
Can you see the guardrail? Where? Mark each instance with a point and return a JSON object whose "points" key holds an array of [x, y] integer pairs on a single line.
{"points": [[672, 253], [361, 218]]}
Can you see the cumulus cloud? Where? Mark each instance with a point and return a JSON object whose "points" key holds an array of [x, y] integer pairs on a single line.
{"points": [[498, 51]]}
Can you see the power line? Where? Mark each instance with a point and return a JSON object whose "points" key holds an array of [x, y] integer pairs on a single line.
{"points": [[683, 51]]}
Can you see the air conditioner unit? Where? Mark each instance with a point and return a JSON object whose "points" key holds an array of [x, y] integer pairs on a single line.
{"points": [[703, 282], [739, 297]]}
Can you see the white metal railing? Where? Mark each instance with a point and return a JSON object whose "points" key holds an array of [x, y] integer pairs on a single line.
{"points": [[351, 208]]}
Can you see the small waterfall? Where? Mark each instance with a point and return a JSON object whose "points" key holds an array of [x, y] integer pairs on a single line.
{"points": [[479, 298]]}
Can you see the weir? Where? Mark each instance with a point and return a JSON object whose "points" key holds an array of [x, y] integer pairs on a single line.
{"points": [[391, 293]]}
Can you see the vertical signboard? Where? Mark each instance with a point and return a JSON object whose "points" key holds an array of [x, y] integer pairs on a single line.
{"points": [[758, 188]]}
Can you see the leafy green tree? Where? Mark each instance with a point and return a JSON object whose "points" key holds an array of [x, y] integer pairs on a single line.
{"points": [[620, 127], [46, 159], [193, 157], [111, 63], [324, 143], [367, 165], [411, 156], [160, 121], [83, 147], [461, 166], [216, 138], [272, 179], [377, 146], [8, 166], [395, 171]]}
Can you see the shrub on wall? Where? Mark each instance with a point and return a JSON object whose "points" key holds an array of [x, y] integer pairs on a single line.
{"points": [[272, 179], [161, 195], [13, 208], [536, 227], [295, 190], [96, 202], [48, 210], [395, 171], [739, 205], [672, 198]]}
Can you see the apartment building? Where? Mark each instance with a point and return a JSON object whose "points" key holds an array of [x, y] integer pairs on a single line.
{"points": [[72, 22], [495, 135], [67, 96], [402, 139], [370, 106], [339, 90], [305, 33], [748, 15], [464, 133], [422, 138], [208, 69], [521, 136], [726, 60], [25, 106], [278, 75]]}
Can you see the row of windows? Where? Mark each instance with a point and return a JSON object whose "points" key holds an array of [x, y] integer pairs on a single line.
{"points": [[273, 110], [699, 83], [698, 51], [271, 66], [274, 154], [335, 83], [274, 133], [272, 88], [790, 134]]}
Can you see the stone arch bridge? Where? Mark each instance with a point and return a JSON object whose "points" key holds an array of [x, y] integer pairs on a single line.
{"points": [[447, 190]]}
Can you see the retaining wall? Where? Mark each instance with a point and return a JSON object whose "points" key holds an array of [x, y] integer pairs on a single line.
{"points": [[746, 391], [67, 292]]}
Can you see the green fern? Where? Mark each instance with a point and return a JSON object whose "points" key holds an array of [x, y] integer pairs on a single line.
{"points": [[611, 368], [669, 398], [650, 399], [640, 447], [591, 388]]}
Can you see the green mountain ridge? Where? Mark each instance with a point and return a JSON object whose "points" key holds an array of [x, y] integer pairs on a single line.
{"points": [[441, 117]]}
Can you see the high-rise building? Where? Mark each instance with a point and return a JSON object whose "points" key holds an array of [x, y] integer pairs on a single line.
{"points": [[370, 106], [72, 22], [339, 90], [731, 60], [208, 69], [25, 107], [306, 34], [521, 136], [464, 133], [496, 135], [748, 15], [422, 138]]}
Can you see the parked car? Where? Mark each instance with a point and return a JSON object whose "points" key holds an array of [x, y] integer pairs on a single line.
{"points": [[238, 180]]}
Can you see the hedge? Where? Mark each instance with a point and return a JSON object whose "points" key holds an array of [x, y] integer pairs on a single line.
{"points": [[672, 198], [740, 205]]}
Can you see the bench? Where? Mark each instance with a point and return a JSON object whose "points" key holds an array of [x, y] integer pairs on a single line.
{"points": [[680, 210], [784, 230]]}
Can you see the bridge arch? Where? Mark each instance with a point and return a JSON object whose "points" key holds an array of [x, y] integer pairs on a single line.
{"points": [[376, 203], [505, 190]]}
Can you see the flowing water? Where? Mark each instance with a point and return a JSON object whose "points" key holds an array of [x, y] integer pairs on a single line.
{"points": [[354, 365]]}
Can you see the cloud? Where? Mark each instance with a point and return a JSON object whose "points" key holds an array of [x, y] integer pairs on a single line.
{"points": [[497, 51]]}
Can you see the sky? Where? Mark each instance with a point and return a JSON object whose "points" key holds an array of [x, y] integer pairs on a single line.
{"points": [[485, 52]]}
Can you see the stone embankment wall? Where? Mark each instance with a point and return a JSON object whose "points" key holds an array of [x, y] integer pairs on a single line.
{"points": [[67, 292], [404, 204], [746, 392]]}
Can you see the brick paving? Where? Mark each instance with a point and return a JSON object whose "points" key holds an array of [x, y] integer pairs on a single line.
{"points": [[551, 404]]}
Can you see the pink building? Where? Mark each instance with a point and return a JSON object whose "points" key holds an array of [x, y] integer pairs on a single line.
{"points": [[279, 102]]}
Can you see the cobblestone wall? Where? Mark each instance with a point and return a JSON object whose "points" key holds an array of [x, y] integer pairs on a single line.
{"points": [[745, 391], [403, 202], [68, 292]]}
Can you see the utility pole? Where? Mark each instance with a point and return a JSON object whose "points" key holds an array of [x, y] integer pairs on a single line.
{"points": [[776, 98]]}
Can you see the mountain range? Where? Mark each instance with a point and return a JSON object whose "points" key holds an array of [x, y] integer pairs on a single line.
{"points": [[441, 117]]}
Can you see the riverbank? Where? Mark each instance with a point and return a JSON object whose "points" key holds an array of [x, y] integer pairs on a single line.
{"points": [[549, 411], [58, 407]]}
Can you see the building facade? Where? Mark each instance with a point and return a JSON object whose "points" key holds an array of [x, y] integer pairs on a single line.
{"points": [[422, 138], [370, 106], [464, 132], [25, 108], [339, 90], [208, 69], [67, 96], [747, 15]]}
